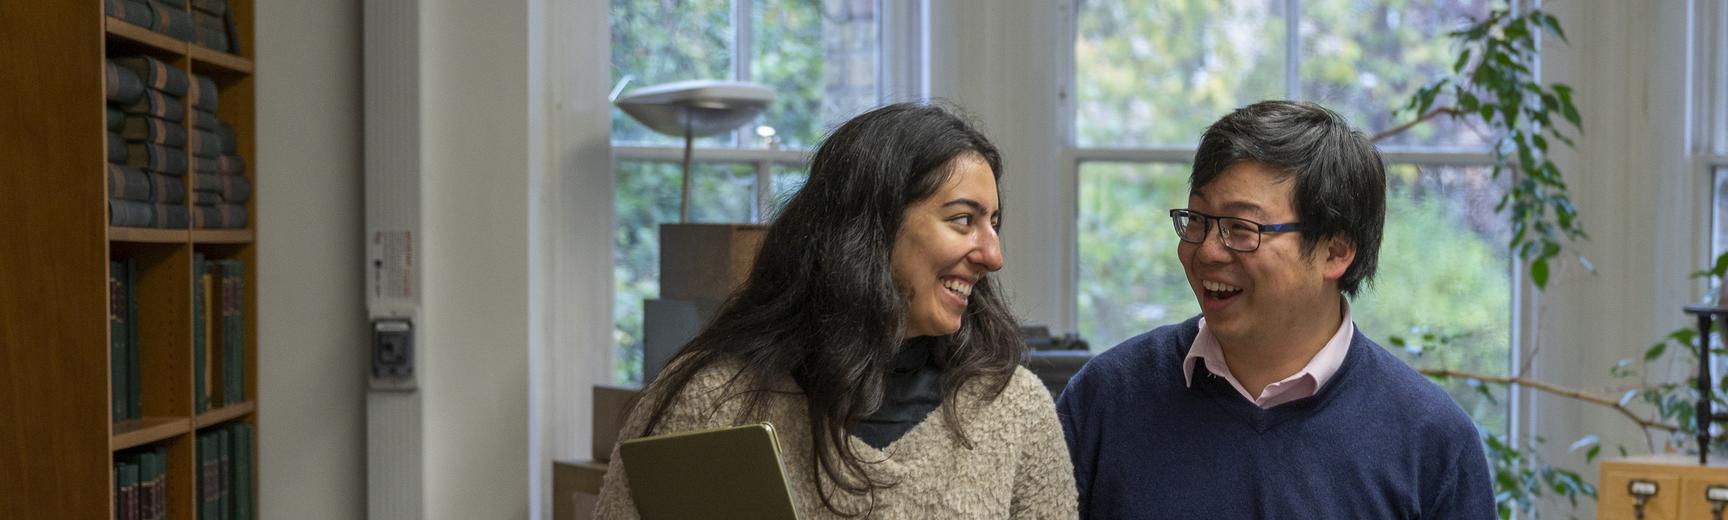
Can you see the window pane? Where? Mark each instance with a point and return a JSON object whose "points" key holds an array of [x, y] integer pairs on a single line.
{"points": [[787, 181], [1156, 72], [655, 42], [1365, 58], [1130, 279], [647, 196], [821, 59], [1444, 271], [1719, 221]]}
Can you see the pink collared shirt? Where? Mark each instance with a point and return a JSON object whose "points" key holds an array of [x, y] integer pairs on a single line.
{"points": [[1303, 383]]}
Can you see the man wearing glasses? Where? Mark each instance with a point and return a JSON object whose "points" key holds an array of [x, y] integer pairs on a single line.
{"points": [[1270, 404]]}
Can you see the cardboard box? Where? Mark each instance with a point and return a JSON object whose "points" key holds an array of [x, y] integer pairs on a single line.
{"points": [[611, 407], [705, 262]]}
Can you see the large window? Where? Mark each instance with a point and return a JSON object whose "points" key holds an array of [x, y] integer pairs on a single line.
{"points": [[1151, 74], [822, 58]]}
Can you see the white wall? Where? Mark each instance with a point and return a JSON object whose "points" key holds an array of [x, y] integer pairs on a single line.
{"points": [[1001, 62], [475, 160], [311, 320], [1642, 204]]}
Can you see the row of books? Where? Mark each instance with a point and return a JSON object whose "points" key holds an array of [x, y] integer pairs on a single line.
{"points": [[141, 484], [218, 340], [209, 23], [123, 341], [225, 487], [219, 332], [148, 145]]}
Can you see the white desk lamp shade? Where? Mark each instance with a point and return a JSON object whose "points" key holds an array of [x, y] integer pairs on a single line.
{"points": [[695, 108]]}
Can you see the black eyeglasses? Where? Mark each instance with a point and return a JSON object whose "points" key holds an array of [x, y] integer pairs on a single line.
{"points": [[1238, 234]]}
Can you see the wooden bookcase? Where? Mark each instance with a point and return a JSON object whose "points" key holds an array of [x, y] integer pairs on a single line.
{"points": [[58, 439]]}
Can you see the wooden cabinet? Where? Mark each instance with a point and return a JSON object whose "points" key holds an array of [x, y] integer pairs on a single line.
{"points": [[1681, 487], [59, 437]]}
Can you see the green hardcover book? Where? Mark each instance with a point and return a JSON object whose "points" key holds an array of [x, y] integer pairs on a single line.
{"points": [[206, 476], [147, 485], [117, 337], [155, 103], [233, 329], [121, 84], [116, 118], [128, 183], [156, 74], [155, 130], [134, 387], [224, 472], [212, 316], [206, 143], [204, 198]]}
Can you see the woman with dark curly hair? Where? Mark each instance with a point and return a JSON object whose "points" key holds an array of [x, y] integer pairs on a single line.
{"points": [[869, 308]]}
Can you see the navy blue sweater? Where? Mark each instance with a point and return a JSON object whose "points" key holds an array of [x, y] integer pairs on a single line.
{"points": [[1378, 441]]}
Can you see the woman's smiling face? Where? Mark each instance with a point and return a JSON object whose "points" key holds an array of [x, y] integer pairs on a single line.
{"points": [[946, 244]]}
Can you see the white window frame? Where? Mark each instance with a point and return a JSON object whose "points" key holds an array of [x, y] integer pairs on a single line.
{"points": [[1074, 156], [901, 73]]}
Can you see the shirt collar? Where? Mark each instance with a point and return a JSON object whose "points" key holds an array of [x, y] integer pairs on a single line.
{"points": [[1303, 383]]}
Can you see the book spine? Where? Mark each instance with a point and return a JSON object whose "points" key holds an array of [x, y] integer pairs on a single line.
{"points": [[173, 216], [116, 148], [204, 119], [231, 165], [129, 487], [203, 95], [130, 213], [134, 385], [172, 21], [156, 158], [200, 404], [122, 84], [154, 130], [224, 474], [167, 189], [233, 330], [117, 337], [128, 183], [211, 317], [243, 471], [156, 74], [206, 143], [156, 103], [116, 118]]}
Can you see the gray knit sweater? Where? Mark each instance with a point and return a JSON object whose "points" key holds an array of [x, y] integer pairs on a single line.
{"points": [[1018, 466]]}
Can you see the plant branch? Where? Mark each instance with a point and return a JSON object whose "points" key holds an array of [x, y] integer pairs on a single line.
{"points": [[1425, 118], [1556, 390]]}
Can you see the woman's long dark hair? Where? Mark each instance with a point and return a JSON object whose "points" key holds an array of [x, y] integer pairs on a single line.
{"points": [[821, 306]]}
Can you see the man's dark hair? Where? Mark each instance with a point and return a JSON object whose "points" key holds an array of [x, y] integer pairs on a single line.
{"points": [[1340, 181]]}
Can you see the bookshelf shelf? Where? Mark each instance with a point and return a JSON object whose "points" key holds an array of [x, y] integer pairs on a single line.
{"points": [[224, 414], [116, 320], [132, 434], [147, 235], [221, 236], [136, 35], [220, 60]]}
